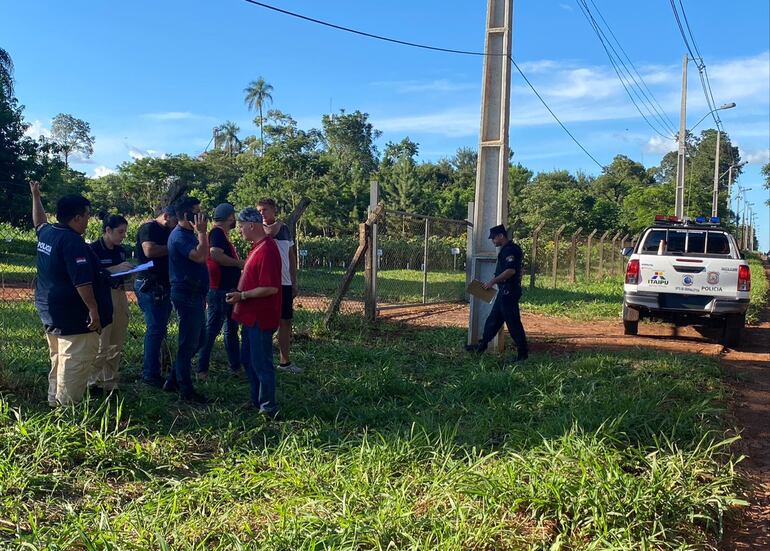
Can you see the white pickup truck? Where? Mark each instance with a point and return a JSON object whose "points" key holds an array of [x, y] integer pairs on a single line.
{"points": [[688, 273]]}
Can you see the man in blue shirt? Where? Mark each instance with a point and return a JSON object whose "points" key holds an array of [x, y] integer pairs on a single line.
{"points": [[188, 250], [72, 301]]}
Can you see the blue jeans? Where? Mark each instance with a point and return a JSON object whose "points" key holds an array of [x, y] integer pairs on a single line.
{"points": [[156, 310], [257, 357], [191, 309], [218, 314]]}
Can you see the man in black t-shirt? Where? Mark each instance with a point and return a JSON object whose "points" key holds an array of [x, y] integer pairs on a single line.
{"points": [[224, 267], [71, 300], [152, 289]]}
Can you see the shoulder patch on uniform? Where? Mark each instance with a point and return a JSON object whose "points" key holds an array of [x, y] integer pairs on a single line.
{"points": [[81, 260], [510, 258]]}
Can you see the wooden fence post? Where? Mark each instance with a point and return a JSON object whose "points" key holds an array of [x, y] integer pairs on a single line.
{"points": [[573, 254], [612, 255], [601, 253], [556, 251], [533, 260], [620, 255], [588, 254]]}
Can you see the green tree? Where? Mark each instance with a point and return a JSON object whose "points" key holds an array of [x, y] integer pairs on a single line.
{"points": [[766, 184], [18, 162], [258, 93], [227, 138], [398, 177], [72, 135], [6, 74]]}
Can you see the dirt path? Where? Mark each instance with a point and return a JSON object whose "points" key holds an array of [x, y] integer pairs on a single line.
{"points": [[746, 369]]}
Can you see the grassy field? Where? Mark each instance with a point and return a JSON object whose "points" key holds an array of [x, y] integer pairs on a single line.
{"points": [[394, 439]]}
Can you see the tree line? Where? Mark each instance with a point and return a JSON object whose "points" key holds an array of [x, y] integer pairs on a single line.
{"points": [[333, 165]]}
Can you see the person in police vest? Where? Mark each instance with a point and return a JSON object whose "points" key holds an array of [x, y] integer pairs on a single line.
{"points": [[506, 306], [71, 298], [112, 257]]}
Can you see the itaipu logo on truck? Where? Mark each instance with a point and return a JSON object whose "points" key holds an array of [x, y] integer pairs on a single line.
{"points": [[658, 278]]}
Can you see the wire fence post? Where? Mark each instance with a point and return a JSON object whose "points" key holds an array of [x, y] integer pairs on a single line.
{"points": [[612, 254], [620, 253], [588, 254], [425, 262], [468, 248], [573, 254], [601, 253], [533, 259], [556, 251], [370, 267]]}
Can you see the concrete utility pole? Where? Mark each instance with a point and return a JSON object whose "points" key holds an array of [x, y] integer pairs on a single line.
{"points": [[680, 160], [491, 200], [715, 193]]}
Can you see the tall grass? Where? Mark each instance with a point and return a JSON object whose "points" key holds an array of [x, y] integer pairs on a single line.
{"points": [[392, 439]]}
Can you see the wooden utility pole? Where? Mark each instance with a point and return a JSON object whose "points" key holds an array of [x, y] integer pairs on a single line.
{"points": [[491, 199]]}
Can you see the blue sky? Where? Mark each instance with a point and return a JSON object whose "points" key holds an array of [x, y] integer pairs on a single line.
{"points": [[153, 77]]}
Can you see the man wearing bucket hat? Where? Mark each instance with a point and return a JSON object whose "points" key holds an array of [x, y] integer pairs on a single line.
{"points": [[257, 306], [506, 306]]}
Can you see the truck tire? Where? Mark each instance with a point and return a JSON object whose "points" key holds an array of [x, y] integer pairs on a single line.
{"points": [[733, 330], [630, 327]]}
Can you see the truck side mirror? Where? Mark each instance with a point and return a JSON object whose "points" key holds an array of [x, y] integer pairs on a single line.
{"points": [[627, 251]]}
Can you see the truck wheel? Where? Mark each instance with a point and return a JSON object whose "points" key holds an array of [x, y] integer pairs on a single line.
{"points": [[733, 330], [630, 327]]}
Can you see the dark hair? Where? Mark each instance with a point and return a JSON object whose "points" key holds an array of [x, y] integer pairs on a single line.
{"points": [[268, 202], [112, 221], [70, 206], [184, 208]]}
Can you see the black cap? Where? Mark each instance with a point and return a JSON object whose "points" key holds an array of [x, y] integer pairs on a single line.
{"points": [[497, 230]]}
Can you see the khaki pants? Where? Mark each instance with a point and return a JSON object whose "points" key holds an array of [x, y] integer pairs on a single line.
{"points": [[111, 342], [72, 361]]}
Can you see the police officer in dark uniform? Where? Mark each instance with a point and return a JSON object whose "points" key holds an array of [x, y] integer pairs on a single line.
{"points": [[506, 306], [71, 296]]}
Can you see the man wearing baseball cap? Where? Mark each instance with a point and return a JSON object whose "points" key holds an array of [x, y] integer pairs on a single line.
{"points": [[257, 306], [506, 307], [224, 267]]}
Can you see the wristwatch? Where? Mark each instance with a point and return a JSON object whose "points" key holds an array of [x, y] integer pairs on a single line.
{"points": [[243, 295]]}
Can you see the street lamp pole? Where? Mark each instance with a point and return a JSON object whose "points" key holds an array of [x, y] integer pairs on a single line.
{"points": [[680, 159]]}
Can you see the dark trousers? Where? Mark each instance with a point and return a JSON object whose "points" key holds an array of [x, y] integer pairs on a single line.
{"points": [[257, 358], [506, 310], [156, 307], [191, 309], [218, 314]]}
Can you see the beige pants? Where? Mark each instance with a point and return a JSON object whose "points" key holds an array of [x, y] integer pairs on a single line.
{"points": [[111, 342], [72, 361]]}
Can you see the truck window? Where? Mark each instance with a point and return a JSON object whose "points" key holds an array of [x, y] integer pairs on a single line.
{"points": [[652, 241], [676, 241], [696, 242], [717, 243]]}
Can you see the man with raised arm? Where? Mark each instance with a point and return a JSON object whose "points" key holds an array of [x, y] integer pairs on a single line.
{"points": [[71, 300]]}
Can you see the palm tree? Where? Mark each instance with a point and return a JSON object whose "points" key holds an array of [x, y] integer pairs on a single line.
{"points": [[227, 138], [6, 73], [257, 94]]}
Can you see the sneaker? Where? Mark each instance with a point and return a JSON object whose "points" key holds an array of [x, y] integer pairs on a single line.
{"points": [[96, 392], [477, 348], [290, 368], [195, 398], [170, 386]]}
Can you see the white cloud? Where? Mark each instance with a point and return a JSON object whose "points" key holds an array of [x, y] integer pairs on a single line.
{"points": [[36, 129], [102, 170], [566, 7], [454, 122], [175, 116], [660, 146], [760, 156], [137, 153]]}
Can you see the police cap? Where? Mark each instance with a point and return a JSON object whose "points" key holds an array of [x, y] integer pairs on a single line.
{"points": [[497, 230]]}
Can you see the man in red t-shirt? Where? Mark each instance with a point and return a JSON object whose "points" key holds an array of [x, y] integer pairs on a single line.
{"points": [[257, 306]]}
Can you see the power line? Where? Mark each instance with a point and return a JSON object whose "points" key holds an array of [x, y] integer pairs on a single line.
{"points": [[432, 48], [624, 80], [661, 111]]}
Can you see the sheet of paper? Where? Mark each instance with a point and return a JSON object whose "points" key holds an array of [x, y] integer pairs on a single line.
{"points": [[476, 288], [140, 268]]}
